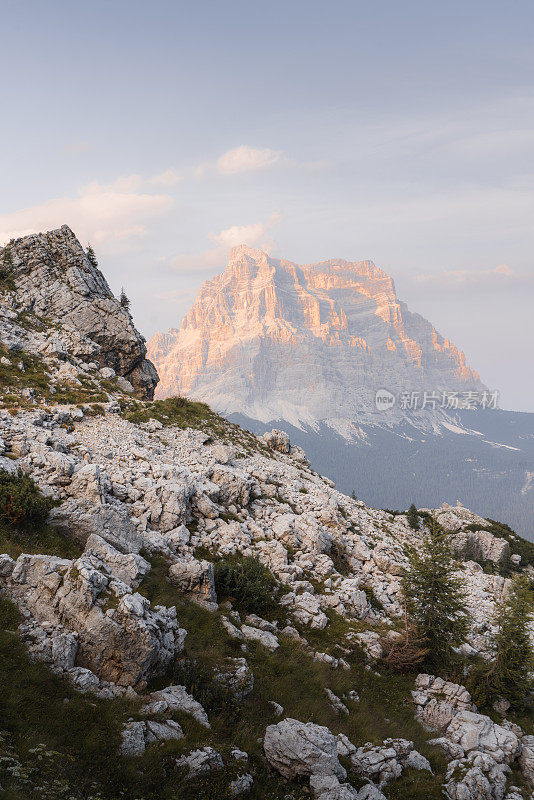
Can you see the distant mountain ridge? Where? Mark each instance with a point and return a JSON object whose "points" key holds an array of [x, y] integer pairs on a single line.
{"points": [[305, 343], [305, 349]]}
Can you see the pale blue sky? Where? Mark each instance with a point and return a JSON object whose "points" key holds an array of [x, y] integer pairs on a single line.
{"points": [[165, 132]]}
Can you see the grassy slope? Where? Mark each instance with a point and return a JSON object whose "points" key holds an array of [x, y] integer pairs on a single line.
{"points": [[81, 733]]}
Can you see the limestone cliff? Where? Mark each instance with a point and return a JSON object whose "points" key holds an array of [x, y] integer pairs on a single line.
{"points": [[53, 278], [276, 340]]}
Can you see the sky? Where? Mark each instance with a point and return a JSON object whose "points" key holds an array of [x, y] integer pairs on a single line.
{"points": [[166, 132]]}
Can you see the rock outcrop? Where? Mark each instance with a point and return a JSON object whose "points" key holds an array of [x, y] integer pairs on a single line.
{"points": [[295, 748], [115, 633], [55, 280]]}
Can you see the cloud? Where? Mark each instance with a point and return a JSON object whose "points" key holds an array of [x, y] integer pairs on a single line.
{"points": [[111, 214], [76, 148], [247, 159], [168, 178], [501, 276], [257, 234], [244, 159]]}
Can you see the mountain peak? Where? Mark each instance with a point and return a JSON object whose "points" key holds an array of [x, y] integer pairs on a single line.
{"points": [[245, 251], [272, 339]]}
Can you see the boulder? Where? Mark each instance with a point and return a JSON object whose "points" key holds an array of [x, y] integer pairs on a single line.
{"points": [[133, 739], [175, 698], [306, 609], [79, 519], [480, 546], [451, 750], [235, 485], [199, 762], [236, 676], [477, 777], [265, 638], [162, 731], [87, 484], [243, 783], [526, 759], [328, 787], [128, 567], [437, 701], [477, 732], [277, 440], [120, 637], [195, 578], [295, 749]]}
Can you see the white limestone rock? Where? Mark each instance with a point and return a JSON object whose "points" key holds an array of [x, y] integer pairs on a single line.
{"points": [[266, 639], [241, 784], [126, 644], [477, 732], [526, 759], [133, 739], [175, 698], [295, 748], [195, 578], [477, 777], [199, 762], [54, 277]]}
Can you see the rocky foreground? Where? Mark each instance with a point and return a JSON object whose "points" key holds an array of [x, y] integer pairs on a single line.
{"points": [[280, 700]]}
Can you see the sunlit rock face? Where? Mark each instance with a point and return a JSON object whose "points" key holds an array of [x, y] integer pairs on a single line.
{"points": [[276, 340]]}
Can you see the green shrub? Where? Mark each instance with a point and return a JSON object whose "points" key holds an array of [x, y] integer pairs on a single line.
{"points": [[20, 499], [338, 554], [199, 680], [6, 270], [248, 583]]}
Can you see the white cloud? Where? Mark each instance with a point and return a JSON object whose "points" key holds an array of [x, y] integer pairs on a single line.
{"points": [[253, 235], [168, 178], [76, 148], [253, 159], [247, 159], [100, 213], [257, 234]]}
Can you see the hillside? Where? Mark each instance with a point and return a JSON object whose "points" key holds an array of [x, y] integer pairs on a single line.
{"points": [[191, 611]]}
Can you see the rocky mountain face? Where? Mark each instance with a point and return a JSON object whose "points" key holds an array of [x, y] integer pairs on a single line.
{"points": [[135, 618], [305, 349], [52, 278], [275, 340]]}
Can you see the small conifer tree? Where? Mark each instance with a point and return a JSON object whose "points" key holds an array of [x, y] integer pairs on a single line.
{"points": [[91, 256], [435, 598], [6, 269], [412, 518], [124, 300]]}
